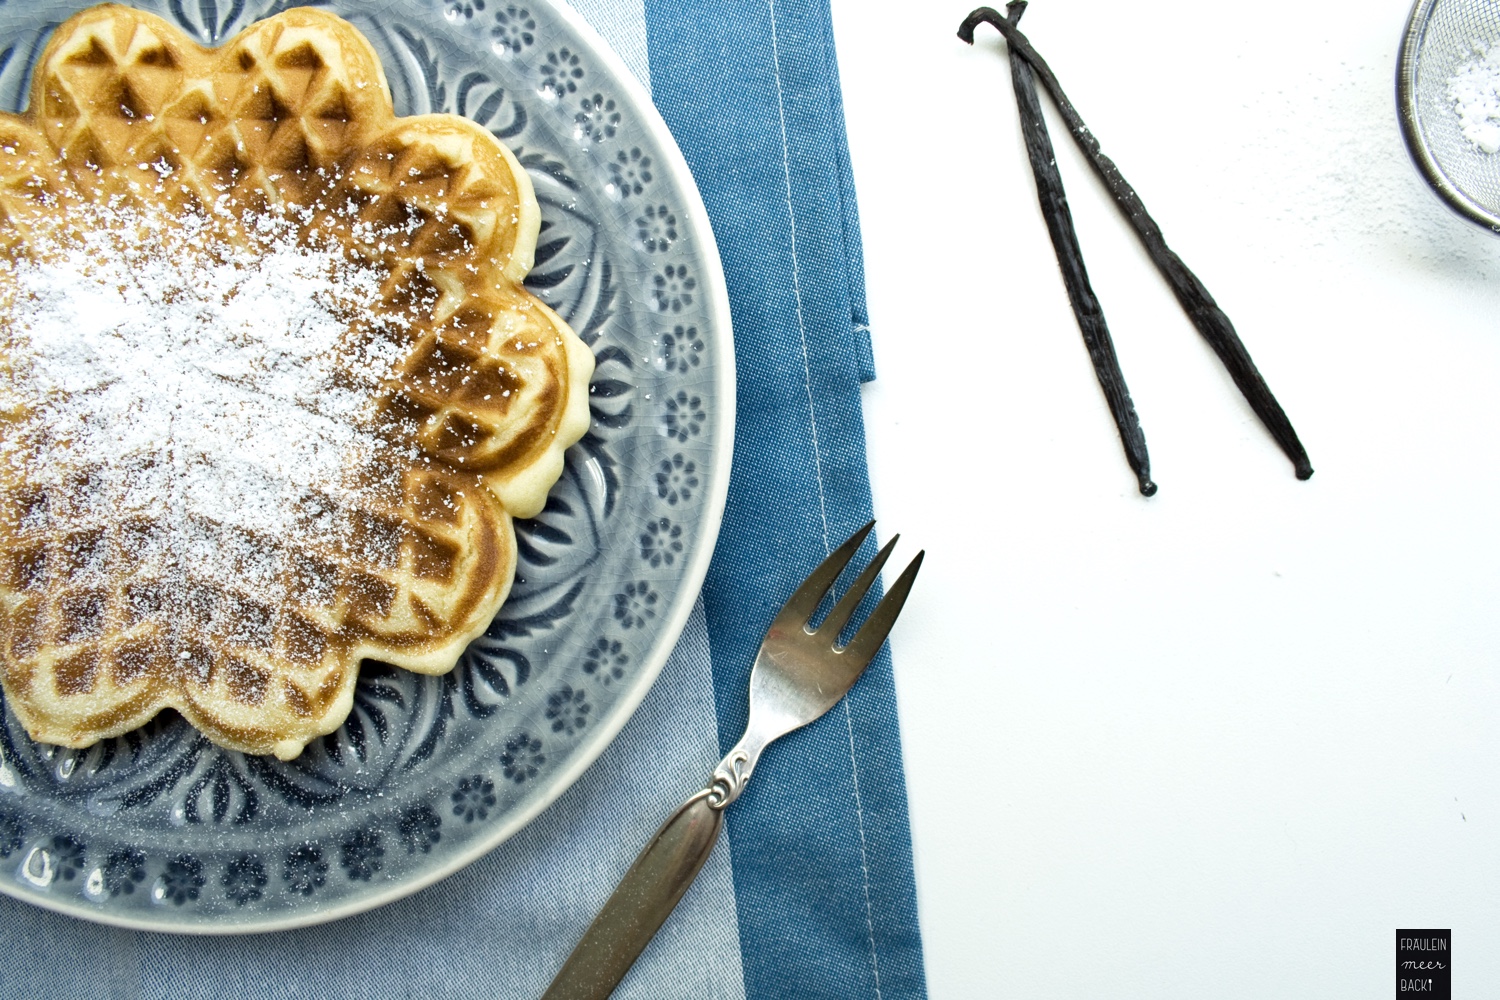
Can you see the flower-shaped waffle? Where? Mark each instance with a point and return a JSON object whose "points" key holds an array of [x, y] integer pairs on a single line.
{"points": [[273, 390]]}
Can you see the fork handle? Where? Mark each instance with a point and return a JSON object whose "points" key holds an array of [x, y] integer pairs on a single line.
{"points": [[640, 904]]}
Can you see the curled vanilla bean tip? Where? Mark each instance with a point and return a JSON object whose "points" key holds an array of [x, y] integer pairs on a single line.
{"points": [[1148, 489], [978, 16]]}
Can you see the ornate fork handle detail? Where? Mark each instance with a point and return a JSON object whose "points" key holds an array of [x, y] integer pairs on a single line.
{"points": [[733, 773]]}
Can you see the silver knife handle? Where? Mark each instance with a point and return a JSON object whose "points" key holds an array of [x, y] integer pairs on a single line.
{"points": [[649, 892]]}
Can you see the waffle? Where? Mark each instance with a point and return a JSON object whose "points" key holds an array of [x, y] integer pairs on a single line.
{"points": [[132, 578]]}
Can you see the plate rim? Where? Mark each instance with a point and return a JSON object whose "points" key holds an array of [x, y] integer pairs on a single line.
{"points": [[717, 310]]}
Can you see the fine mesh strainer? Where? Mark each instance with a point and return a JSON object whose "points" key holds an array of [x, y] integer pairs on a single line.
{"points": [[1443, 37]]}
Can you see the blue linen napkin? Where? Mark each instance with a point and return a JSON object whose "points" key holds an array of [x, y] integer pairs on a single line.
{"points": [[810, 893], [822, 849]]}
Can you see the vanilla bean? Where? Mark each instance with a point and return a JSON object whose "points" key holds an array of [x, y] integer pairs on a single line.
{"points": [[1211, 322], [1086, 307]]}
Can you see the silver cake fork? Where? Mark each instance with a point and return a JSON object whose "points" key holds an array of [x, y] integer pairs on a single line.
{"points": [[799, 674]]}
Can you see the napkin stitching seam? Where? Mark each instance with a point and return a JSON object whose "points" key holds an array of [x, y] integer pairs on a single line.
{"points": [[786, 170], [864, 854], [791, 211]]}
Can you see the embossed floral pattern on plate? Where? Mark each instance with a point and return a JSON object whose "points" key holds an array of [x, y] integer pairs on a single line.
{"points": [[161, 829]]}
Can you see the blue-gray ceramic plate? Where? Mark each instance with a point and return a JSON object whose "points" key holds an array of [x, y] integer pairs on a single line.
{"points": [[162, 830]]}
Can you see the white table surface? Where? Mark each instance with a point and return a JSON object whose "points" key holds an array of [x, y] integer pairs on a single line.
{"points": [[1224, 741]]}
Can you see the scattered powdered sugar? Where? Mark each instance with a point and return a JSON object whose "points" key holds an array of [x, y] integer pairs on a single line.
{"points": [[1474, 89], [214, 379]]}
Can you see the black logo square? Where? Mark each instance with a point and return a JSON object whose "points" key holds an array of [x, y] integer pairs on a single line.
{"points": [[1424, 965]]}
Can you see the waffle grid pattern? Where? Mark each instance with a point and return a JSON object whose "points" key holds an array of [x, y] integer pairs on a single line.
{"points": [[291, 117]]}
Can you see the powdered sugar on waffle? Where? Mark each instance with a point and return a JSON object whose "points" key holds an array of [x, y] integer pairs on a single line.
{"points": [[218, 384]]}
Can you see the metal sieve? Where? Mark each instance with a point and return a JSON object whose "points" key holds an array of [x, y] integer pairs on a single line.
{"points": [[1442, 36]]}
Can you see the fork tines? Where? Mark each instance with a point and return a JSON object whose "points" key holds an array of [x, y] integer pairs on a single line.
{"points": [[799, 609]]}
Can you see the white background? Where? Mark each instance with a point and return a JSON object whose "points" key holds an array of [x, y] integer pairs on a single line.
{"points": [[1224, 741]]}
